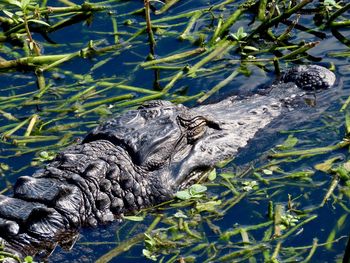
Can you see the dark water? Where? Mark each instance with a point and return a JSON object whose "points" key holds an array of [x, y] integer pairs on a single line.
{"points": [[319, 126]]}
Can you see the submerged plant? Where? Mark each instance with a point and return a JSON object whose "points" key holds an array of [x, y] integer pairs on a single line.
{"points": [[72, 65]]}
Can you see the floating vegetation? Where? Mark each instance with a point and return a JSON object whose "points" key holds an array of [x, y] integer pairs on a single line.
{"points": [[66, 67]]}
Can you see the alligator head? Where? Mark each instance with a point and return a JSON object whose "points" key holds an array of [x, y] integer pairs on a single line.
{"points": [[139, 159]]}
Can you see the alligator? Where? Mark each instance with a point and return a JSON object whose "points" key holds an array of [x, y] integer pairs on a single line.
{"points": [[139, 159]]}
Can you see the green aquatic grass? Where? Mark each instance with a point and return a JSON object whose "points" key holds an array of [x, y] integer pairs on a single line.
{"points": [[61, 103]]}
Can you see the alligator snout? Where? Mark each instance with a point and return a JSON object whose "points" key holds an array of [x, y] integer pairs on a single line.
{"points": [[310, 77]]}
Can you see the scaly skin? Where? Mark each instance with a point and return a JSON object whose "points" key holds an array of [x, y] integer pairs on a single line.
{"points": [[139, 159]]}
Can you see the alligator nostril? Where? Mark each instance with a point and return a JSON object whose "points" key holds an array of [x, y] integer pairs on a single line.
{"points": [[311, 77]]}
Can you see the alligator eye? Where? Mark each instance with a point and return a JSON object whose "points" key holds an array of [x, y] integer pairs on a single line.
{"points": [[194, 128]]}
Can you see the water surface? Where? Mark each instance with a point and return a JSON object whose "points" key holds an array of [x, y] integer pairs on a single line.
{"points": [[319, 126]]}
